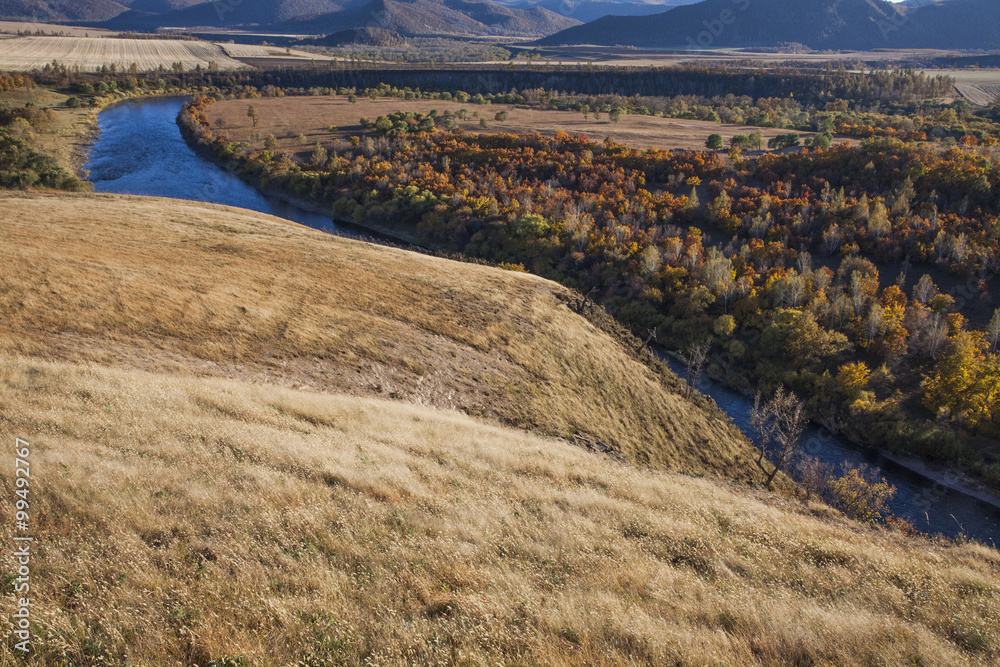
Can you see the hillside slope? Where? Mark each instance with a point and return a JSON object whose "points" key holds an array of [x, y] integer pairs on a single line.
{"points": [[840, 24], [60, 10], [438, 17], [181, 520], [164, 284], [818, 24], [190, 506]]}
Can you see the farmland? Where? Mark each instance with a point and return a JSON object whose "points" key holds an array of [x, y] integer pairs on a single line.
{"points": [[90, 53], [287, 118]]}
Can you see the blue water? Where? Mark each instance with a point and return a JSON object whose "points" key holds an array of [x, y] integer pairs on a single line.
{"points": [[140, 151]]}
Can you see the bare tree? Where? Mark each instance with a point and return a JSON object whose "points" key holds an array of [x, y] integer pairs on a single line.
{"points": [[650, 338], [694, 358], [993, 329], [779, 423]]}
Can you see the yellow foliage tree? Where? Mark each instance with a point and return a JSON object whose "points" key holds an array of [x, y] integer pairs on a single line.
{"points": [[963, 382], [853, 377]]}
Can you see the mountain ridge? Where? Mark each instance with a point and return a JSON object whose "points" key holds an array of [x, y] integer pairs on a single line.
{"points": [[817, 24]]}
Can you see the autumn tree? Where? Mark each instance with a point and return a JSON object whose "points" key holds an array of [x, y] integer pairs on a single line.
{"points": [[962, 383], [253, 115], [778, 423]]}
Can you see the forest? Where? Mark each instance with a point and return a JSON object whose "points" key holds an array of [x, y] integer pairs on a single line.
{"points": [[862, 278]]}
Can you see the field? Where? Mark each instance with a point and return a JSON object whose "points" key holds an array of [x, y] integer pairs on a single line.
{"points": [[251, 51], [190, 506], [288, 117], [249, 297], [28, 53], [979, 86]]}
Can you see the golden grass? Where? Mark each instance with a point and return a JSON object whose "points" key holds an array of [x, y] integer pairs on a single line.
{"points": [[190, 287], [182, 520], [287, 117], [91, 53]]}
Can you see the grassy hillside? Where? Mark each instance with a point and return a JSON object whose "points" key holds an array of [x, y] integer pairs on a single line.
{"points": [[183, 286], [203, 490], [182, 520]]}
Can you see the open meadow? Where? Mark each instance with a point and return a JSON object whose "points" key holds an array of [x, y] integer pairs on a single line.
{"points": [[286, 118], [91, 53], [203, 490]]}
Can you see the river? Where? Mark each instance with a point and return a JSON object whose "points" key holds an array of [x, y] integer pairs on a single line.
{"points": [[140, 151]]}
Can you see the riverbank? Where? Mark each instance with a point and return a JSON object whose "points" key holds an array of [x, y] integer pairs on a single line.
{"points": [[951, 480], [387, 233]]}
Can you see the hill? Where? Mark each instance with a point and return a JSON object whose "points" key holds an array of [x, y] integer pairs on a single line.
{"points": [[407, 17], [146, 351], [820, 24], [245, 295], [953, 24], [60, 10], [590, 10], [817, 24], [232, 14], [366, 36], [438, 17]]}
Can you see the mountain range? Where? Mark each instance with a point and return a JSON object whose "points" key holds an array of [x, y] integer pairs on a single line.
{"points": [[817, 24], [407, 17]]}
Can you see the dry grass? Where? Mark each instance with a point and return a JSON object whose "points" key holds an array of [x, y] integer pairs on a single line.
{"points": [[288, 117], [13, 27], [90, 53], [184, 286], [190, 506], [182, 520], [271, 52]]}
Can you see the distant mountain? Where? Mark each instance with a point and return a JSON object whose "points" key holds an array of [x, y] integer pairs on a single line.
{"points": [[313, 17], [50, 11], [225, 13], [951, 24], [438, 17], [817, 24], [362, 36], [590, 10]]}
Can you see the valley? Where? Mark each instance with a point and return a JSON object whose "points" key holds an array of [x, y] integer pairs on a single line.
{"points": [[461, 332]]}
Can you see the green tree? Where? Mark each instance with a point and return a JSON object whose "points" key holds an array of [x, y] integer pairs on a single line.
{"points": [[253, 115], [715, 142]]}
